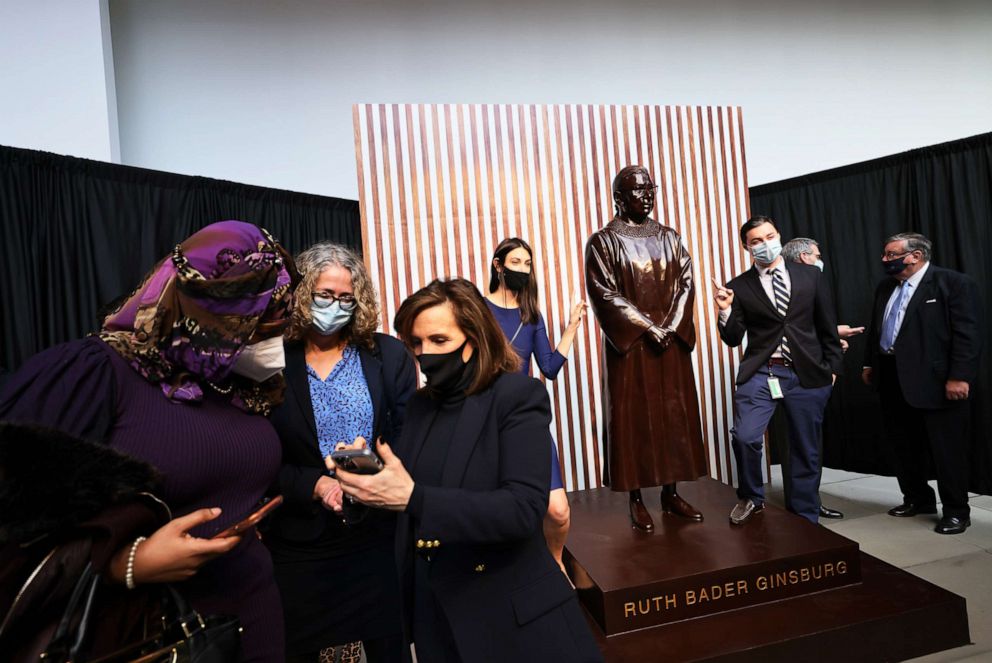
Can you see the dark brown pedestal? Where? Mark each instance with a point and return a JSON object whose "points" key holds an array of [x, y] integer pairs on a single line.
{"points": [[644, 593], [629, 579]]}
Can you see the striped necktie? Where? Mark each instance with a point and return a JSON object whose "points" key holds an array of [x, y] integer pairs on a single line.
{"points": [[782, 306]]}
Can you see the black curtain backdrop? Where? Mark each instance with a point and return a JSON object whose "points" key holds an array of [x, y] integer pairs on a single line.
{"points": [[943, 192], [77, 234]]}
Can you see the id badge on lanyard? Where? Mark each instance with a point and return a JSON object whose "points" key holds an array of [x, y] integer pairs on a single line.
{"points": [[774, 388]]}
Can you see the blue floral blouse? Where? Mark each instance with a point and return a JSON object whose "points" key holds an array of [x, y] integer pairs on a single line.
{"points": [[342, 405]]}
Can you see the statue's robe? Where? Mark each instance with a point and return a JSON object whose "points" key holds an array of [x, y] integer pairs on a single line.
{"points": [[637, 277]]}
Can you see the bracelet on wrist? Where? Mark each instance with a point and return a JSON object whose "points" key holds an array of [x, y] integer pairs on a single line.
{"points": [[129, 574]]}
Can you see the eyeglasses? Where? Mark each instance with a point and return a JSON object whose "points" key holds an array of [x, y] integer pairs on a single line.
{"points": [[643, 191], [891, 255], [346, 300]]}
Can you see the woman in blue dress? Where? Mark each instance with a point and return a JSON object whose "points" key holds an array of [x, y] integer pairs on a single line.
{"points": [[513, 300]]}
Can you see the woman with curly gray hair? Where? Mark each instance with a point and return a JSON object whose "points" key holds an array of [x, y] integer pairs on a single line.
{"points": [[344, 380]]}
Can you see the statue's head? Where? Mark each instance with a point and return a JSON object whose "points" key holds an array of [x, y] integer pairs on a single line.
{"points": [[634, 193]]}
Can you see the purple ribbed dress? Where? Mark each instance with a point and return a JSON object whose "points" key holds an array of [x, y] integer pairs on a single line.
{"points": [[210, 454]]}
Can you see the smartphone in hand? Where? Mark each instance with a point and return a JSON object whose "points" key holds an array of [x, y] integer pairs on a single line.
{"points": [[358, 461], [241, 526]]}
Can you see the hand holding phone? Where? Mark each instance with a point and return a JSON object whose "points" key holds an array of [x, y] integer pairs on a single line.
{"points": [[239, 527], [357, 461]]}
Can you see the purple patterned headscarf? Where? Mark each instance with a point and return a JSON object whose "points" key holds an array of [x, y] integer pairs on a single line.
{"points": [[186, 324]]}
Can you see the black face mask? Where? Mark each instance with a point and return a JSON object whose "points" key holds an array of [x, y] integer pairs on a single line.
{"points": [[893, 267], [515, 281], [444, 372]]}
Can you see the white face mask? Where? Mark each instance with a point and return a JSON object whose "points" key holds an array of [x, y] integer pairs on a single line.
{"points": [[262, 360]]}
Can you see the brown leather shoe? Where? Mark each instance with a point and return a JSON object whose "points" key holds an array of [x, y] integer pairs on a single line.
{"points": [[673, 503], [639, 516], [743, 511]]}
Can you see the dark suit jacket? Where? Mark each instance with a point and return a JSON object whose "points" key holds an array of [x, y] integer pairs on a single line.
{"points": [[939, 339], [810, 325], [391, 377], [490, 570]]}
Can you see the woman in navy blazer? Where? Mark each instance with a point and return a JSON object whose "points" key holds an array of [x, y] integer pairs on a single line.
{"points": [[469, 480], [336, 574]]}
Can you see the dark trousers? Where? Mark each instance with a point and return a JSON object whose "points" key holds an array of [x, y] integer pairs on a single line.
{"points": [[432, 637], [780, 430], [924, 438], [753, 409]]}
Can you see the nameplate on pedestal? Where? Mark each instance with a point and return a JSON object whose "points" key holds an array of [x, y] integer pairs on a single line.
{"points": [[630, 580], [685, 598]]}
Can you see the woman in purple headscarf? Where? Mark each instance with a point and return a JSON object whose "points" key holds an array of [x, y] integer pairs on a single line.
{"points": [[182, 377]]}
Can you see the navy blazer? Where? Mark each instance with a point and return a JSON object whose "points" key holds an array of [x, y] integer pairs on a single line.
{"points": [[939, 338], [391, 377], [490, 570], [809, 324]]}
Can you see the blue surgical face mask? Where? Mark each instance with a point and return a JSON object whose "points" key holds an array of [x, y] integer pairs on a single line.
{"points": [[767, 252], [818, 264], [330, 319]]}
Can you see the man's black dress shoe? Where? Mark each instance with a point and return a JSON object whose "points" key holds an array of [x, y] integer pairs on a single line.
{"points": [[830, 513], [952, 525], [907, 509]]}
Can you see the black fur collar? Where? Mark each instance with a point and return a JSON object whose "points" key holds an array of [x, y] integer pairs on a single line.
{"points": [[50, 480]]}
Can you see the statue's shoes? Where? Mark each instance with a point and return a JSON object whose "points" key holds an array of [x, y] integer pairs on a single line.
{"points": [[639, 516], [676, 505]]}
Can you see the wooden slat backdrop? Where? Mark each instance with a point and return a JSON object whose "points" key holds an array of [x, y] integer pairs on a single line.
{"points": [[441, 184]]}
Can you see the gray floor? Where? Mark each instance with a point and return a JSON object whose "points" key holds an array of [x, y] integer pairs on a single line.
{"points": [[961, 563]]}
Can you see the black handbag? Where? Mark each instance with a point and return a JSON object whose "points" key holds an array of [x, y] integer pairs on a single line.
{"points": [[183, 637]]}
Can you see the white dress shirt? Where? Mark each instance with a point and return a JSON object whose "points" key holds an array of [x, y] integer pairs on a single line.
{"points": [[912, 283], [765, 277]]}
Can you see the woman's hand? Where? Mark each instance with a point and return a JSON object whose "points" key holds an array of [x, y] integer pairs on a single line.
{"points": [[359, 443], [578, 312], [327, 491], [171, 554], [389, 489]]}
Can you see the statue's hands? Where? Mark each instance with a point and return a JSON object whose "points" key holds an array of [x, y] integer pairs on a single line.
{"points": [[663, 337]]}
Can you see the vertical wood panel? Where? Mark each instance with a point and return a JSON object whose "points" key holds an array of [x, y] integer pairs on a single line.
{"points": [[440, 185]]}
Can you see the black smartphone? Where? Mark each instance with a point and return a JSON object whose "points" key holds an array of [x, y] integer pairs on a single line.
{"points": [[359, 461]]}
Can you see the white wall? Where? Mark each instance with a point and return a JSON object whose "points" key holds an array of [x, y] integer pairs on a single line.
{"points": [[260, 92], [56, 87]]}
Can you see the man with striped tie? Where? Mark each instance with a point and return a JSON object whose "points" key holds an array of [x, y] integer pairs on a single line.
{"points": [[793, 357]]}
